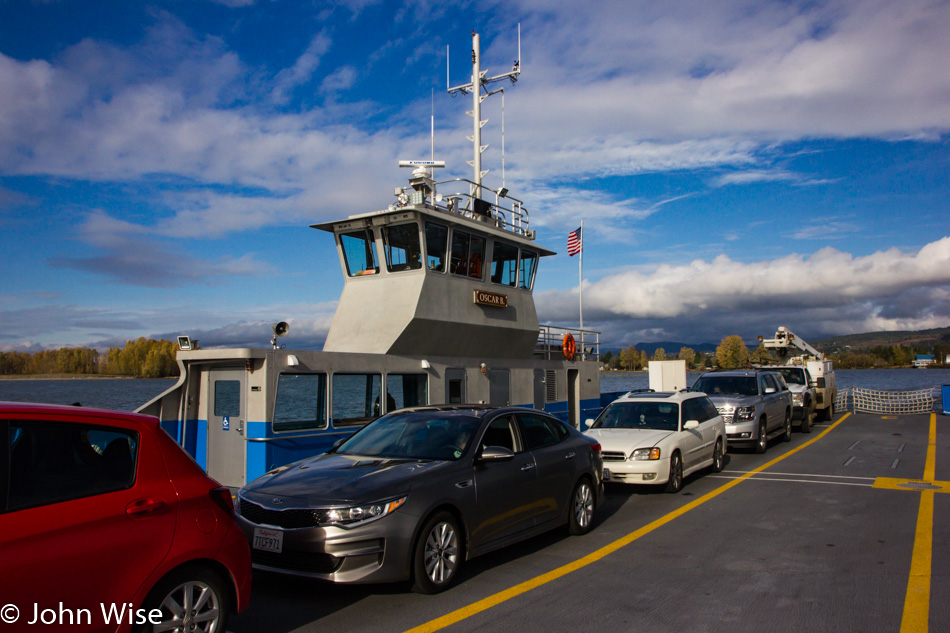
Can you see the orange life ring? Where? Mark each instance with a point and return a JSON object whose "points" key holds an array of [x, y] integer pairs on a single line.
{"points": [[568, 347]]}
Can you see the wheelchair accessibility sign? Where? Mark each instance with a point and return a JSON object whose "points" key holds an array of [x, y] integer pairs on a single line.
{"points": [[226, 423]]}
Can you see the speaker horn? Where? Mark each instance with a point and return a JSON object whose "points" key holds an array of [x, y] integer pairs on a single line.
{"points": [[281, 328]]}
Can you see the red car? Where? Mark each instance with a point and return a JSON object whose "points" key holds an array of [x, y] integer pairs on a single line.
{"points": [[106, 524]]}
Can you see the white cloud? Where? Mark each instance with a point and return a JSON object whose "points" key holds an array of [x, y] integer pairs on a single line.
{"points": [[887, 289]]}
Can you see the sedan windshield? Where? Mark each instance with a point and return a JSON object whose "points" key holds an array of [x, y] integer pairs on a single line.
{"points": [[660, 416], [421, 435], [730, 385]]}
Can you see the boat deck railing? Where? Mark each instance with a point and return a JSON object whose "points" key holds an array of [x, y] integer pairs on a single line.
{"points": [[896, 402], [503, 211], [551, 343]]}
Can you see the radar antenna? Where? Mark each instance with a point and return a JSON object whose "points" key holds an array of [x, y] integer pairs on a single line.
{"points": [[477, 86]]}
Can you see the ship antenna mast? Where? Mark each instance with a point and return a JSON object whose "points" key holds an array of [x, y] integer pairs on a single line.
{"points": [[477, 86]]}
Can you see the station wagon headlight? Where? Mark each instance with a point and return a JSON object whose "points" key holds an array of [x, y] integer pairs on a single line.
{"points": [[645, 454], [745, 413], [353, 515]]}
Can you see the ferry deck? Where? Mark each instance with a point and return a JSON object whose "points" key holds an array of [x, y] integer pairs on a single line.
{"points": [[843, 530]]}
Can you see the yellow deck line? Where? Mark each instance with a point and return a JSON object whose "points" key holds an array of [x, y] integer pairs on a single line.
{"points": [[916, 617], [486, 603]]}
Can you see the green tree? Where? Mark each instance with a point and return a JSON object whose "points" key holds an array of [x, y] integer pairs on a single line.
{"points": [[732, 353], [629, 358], [659, 354], [762, 356], [687, 354], [699, 360]]}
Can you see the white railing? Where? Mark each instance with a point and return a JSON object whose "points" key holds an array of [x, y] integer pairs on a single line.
{"points": [[551, 343]]}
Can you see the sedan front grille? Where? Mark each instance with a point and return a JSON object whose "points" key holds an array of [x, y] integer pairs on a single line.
{"points": [[312, 562], [613, 456], [287, 519]]}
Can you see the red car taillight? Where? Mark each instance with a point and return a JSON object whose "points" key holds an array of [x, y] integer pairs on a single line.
{"points": [[222, 497], [595, 447]]}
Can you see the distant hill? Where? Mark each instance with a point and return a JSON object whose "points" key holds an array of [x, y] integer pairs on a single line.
{"points": [[671, 348], [868, 340]]}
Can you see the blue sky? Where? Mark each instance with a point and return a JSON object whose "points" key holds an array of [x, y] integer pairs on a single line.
{"points": [[738, 165]]}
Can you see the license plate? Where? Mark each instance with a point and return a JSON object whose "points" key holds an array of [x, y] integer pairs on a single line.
{"points": [[268, 540], [606, 474]]}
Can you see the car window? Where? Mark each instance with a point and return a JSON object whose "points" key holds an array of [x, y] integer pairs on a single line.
{"points": [[709, 407], [52, 462], [540, 431], [769, 381], [413, 435], [726, 385], [693, 411], [501, 432], [662, 416]]}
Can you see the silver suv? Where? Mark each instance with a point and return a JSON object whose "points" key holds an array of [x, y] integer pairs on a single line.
{"points": [[804, 396], [755, 405]]}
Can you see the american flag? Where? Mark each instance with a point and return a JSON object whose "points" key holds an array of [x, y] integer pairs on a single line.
{"points": [[575, 242]]}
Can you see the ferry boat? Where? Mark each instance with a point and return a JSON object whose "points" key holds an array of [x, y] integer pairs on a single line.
{"points": [[437, 307]]}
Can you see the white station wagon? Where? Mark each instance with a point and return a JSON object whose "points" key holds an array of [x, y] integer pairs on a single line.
{"points": [[659, 437]]}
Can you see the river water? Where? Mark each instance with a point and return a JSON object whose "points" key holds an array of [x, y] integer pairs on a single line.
{"points": [[124, 394]]}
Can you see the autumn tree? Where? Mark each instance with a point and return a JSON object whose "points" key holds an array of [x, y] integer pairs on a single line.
{"points": [[659, 354], [762, 356], [687, 354], [732, 353]]}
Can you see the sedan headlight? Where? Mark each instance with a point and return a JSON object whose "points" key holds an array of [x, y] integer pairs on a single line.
{"points": [[353, 515], [645, 454], [745, 413]]}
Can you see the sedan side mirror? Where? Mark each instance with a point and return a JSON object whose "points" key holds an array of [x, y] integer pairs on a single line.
{"points": [[690, 425], [589, 422], [496, 454]]}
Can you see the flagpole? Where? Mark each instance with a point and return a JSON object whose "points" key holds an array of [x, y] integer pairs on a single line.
{"points": [[580, 288]]}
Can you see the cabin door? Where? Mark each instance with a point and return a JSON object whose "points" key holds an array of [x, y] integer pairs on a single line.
{"points": [[499, 389], [226, 418], [539, 391], [573, 398]]}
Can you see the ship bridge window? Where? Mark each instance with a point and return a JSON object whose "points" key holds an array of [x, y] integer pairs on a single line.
{"points": [[437, 237], [401, 245], [504, 264], [529, 265], [355, 398], [301, 402], [468, 253], [359, 252]]}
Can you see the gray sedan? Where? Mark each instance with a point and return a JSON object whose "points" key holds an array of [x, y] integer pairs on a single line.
{"points": [[416, 492]]}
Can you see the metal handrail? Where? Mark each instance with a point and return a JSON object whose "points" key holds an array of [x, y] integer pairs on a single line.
{"points": [[551, 338]]}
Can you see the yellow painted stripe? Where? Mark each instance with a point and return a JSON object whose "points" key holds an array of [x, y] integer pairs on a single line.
{"points": [[916, 618], [512, 592]]}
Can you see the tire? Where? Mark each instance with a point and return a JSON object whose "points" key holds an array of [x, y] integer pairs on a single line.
{"points": [[581, 518], [787, 436], [806, 421], [193, 598], [763, 444], [675, 483], [719, 460], [438, 554]]}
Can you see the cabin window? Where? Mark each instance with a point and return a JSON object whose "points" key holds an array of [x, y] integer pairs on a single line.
{"points": [[437, 238], [355, 398], [504, 264], [301, 402], [529, 264], [468, 254], [359, 253], [401, 245], [455, 391], [406, 390], [227, 398]]}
